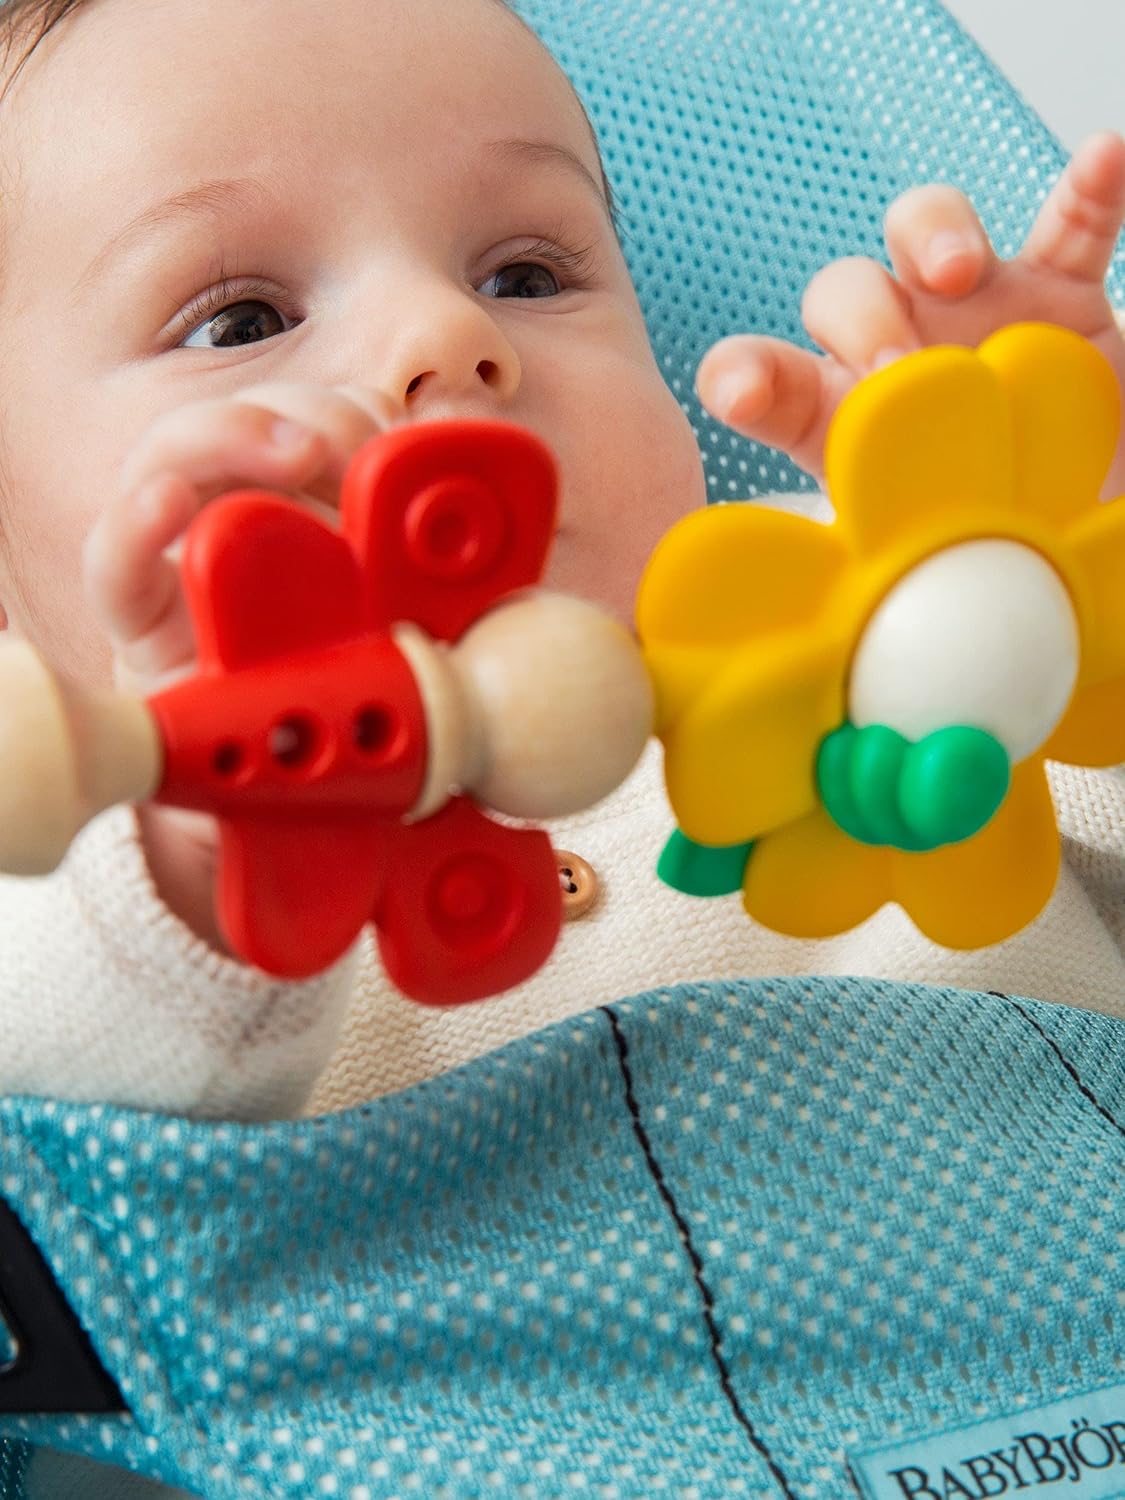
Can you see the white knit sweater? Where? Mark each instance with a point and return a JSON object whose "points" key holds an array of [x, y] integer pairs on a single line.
{"points": [[105, 994]]}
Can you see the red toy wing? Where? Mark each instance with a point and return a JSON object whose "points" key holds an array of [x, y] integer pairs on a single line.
{"points": [[294, 892], [265, 578], [470, 907], [448, 517]]}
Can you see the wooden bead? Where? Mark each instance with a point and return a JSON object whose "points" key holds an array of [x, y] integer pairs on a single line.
{"points": [[561, 702], [453, 738], [66, 754]]}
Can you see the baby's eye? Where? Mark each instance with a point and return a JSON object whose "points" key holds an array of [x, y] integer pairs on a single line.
{"points": [[522, 278], [246, 322]]}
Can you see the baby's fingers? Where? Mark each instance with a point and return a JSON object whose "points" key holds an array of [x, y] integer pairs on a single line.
{"points": [[857, 312], [1076, 229], [936, 242], [134, 585], [224, 444], [775, 393]]}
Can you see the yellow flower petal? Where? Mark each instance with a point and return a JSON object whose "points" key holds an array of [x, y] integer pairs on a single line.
{"points": [[1094, 549], [733, 571], [1065, 412], [981, 891], [921, 452], [1092, 732], [741, 760], [679, 674], [811, 880]]}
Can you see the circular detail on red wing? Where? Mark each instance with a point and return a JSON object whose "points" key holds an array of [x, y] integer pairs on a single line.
{"points": [[474, 900], [454, 529]]}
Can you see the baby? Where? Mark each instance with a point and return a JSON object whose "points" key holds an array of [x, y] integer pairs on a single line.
{"points": [[288, 227]]}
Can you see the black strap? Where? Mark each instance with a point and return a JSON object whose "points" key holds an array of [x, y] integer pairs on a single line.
{"points": [[55, 1368]]}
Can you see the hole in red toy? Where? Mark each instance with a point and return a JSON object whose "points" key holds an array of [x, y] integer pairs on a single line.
{"points": [[227, 759], [292, 741], [373, 729]]}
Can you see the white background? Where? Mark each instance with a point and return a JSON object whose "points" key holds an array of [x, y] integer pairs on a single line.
{"points": [[1066, 57]]}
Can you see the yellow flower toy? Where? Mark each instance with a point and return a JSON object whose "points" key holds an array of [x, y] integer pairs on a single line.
{"points": [[859, 712]]}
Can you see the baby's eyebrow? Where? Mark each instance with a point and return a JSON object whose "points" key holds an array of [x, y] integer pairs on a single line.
{"points": [[207, 200], [547, 153]]}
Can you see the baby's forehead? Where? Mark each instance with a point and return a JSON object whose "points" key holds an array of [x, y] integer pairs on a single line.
{"points": [[32, 31], [314, 125], [31, 28], [118, 63]]}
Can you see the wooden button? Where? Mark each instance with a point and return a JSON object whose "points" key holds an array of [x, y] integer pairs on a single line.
{"points": [[580, 885]]}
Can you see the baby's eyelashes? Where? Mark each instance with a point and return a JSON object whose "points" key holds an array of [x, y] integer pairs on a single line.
{"points": [[522, 279], [235, 322]]}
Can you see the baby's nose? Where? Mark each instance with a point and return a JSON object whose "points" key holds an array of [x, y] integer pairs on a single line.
{"points": [[488, 375], [454, 352]]}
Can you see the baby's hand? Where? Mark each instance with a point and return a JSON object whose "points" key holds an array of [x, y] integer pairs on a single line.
{"points": [[948, 287], [294, 438]]}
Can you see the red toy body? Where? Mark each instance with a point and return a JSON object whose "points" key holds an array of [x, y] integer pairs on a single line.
{"points": [[304, 730]]}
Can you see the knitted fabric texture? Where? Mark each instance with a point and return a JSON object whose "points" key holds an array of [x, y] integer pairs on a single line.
{"points": [[130, 1005]]}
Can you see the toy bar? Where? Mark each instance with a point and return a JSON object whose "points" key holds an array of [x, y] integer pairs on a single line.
{"points": [[360, 698]]}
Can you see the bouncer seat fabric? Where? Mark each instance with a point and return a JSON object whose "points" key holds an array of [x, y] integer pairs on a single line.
{"points": [[802, 1238]]}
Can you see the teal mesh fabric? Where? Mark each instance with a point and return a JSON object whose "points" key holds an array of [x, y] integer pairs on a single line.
{"points": [[701, 1243], [749, 142], [13, 1468]]}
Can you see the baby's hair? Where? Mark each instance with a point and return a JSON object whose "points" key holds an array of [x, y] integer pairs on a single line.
{"points": [[35, 18], [29, 21]]}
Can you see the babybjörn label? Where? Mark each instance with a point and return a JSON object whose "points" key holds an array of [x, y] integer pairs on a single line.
{"points": [[1078, 1442]]}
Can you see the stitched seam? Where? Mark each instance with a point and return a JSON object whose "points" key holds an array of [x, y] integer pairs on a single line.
{"points": [[1082, 1088], [693, 1254]]}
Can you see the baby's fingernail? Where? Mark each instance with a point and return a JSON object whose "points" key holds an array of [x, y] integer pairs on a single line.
{"points": [[286, 434], [946, 247], [730, 391]]}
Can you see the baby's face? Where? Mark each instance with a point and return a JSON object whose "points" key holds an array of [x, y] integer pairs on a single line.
{"points": [[416, 207]]}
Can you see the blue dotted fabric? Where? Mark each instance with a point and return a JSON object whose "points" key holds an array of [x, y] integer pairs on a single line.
{"points": [[702, 1243], [749, 142]]}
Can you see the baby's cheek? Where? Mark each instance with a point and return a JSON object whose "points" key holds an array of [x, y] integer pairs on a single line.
{"points": [[651, 478], [665, 459], [42, 592]]}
